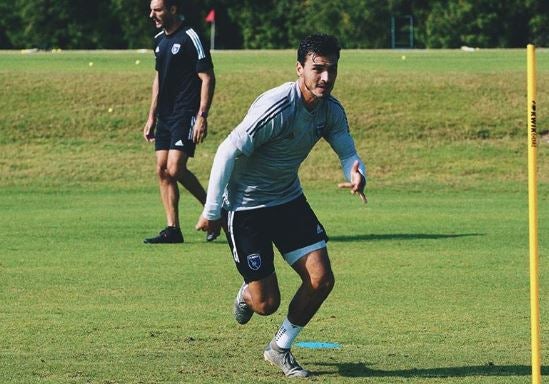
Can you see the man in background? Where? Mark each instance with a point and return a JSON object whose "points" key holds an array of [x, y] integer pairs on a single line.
{"points": [[182, 93]]}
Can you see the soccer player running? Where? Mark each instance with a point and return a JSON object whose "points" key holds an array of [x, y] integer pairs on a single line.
{"points": [[254, 186], [182, 93]]}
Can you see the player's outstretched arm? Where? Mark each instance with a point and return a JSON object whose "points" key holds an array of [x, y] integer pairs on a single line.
{"points": [[357, 183]]}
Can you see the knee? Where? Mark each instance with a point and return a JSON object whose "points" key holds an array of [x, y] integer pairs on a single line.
{"points": [[167, 173], [323, 285], [173, 171], [267, 307], [161, 172]]}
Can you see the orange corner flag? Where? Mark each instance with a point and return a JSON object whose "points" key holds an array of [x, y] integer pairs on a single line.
{"points": [[211, 16]]}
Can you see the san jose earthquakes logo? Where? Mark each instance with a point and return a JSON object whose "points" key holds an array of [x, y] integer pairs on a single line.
{"points": [[175, 48], [254, 261]]}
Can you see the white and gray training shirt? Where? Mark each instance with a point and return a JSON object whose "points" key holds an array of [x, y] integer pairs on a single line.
{"points": [[257, 164]]}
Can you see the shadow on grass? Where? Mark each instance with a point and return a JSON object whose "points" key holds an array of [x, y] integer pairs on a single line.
{"points": [[400, 236], [361, 370]]}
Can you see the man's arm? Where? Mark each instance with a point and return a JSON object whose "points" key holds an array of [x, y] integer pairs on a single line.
{"points": [[148, 131], [355, 173], [353, 168], [222, 168], [200, 130]]}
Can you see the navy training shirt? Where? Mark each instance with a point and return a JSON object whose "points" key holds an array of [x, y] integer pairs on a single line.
{"points": [[179, 57]]}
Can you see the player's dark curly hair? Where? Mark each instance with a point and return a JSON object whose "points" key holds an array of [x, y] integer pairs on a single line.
{"points": [[318, 44]]}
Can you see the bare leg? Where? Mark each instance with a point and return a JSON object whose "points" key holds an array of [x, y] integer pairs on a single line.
{"points": [[317, 280], [191, 183], [169, 166], [167, 194], [317, 283], [263, 296]]}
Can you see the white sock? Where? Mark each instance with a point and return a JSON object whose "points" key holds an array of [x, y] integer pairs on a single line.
{"points": [[286, 334]]}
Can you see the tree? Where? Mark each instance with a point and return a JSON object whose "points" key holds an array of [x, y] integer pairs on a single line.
{"points": [[357, 23], [136, 28], [8, 25], [66, 24], [266, 24], [480, 23], [539, 23], [282, 23], [84, 24]]}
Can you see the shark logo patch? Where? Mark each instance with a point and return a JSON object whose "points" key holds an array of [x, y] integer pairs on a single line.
{"points": [[254, 261]]}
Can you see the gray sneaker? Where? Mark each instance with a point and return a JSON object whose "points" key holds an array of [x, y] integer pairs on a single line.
{"points": [[242, 313], [283, 359]]}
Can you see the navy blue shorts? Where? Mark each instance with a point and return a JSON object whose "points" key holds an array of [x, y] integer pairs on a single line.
{"points": [[175, 134], [292, 227]]}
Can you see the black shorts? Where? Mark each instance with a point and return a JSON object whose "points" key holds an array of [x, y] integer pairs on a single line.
{"points": [[176, 134], [292, 227]]}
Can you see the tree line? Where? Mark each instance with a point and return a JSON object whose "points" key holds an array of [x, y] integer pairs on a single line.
{"points": [[272, 24]]}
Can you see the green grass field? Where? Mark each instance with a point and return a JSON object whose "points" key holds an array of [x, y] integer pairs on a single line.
{"points": [[432, 275]]}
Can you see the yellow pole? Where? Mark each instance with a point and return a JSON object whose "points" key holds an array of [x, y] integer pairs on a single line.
{"points": [[533, 217]]}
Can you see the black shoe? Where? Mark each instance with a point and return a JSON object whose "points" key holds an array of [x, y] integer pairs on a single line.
{"points": [[211, 236], [169, 235]]}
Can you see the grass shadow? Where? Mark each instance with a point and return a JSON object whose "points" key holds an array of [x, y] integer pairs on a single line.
{"points": [[361, 370], [400, 236]]}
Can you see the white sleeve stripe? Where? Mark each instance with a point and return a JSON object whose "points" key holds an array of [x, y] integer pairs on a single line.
{"points": [[197, 44]]}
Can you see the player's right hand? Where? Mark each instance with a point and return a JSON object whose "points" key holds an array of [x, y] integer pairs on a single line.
{"points": [[206, 225], [148, 132]]}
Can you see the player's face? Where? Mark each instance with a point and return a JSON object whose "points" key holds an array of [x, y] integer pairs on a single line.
{"points": [[317, 76], [162, 17]]}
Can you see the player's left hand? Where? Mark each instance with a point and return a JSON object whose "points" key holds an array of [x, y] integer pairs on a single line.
{"points": [[357, 183], [200, 130]]}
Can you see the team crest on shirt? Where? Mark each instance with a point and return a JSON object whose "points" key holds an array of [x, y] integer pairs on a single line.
{"points": [[254, 261], [175, 48]]}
